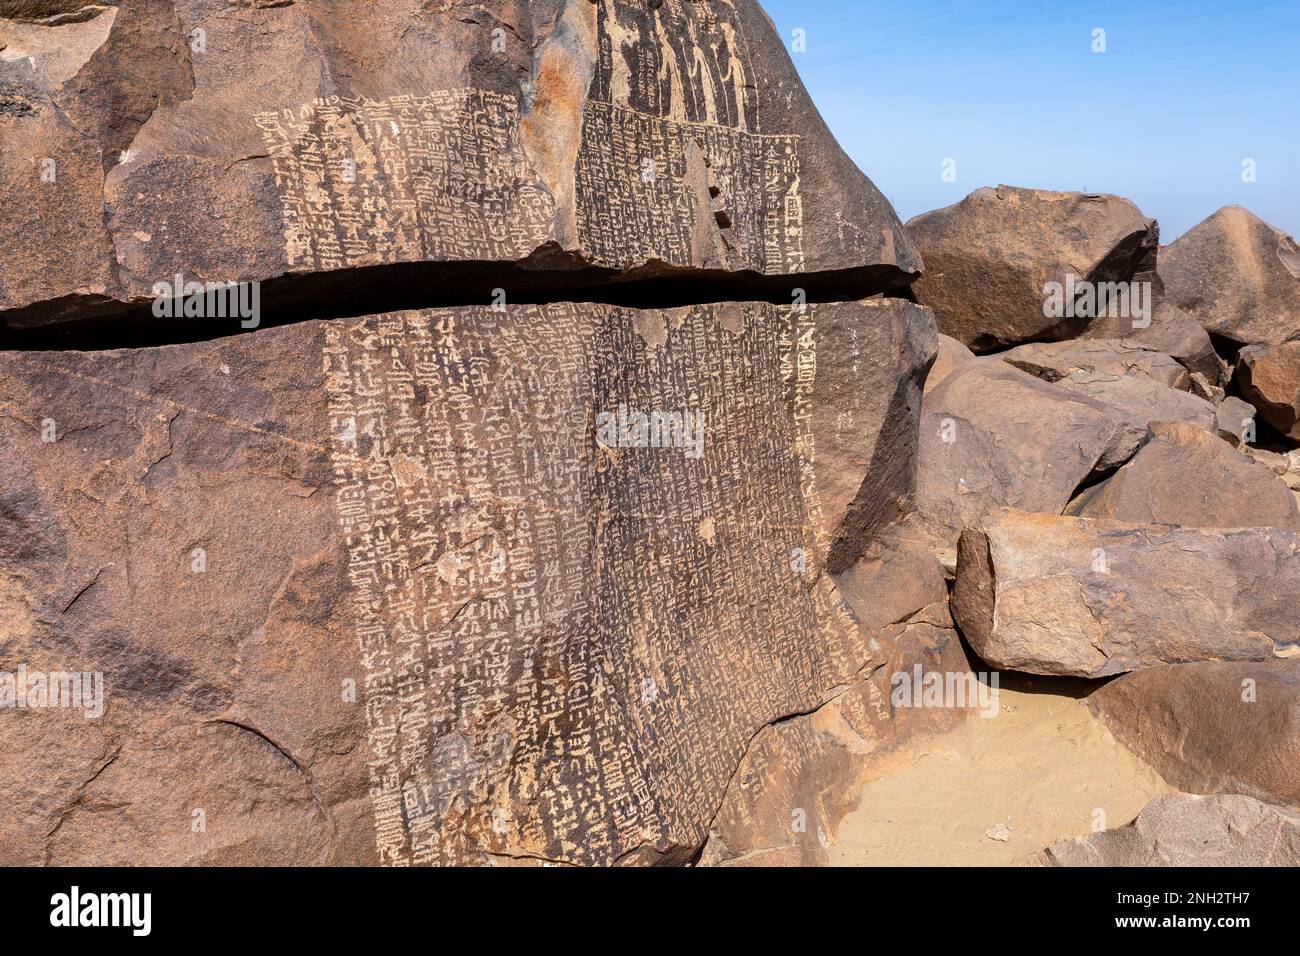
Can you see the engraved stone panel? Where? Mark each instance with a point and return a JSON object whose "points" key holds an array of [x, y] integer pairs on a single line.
{"points": [[444, 613], [553, 629], [442, 176], [578, 143]]}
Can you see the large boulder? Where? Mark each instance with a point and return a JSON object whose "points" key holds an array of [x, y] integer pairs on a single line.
{"points": [[1214, 726], [1185, 476], [990, 258], [1185, 830], [359, 157], [1238, 276], [1090, 597], [404, 589], [994, 436], [1270, 379]]}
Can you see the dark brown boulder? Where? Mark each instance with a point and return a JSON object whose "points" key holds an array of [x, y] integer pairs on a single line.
{"points": [[990, 257], [1185, 476], [1238, 276], [403, 589], [353, 154]]}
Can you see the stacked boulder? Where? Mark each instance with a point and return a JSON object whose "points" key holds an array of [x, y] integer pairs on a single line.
{"points": [[1111, 485]]}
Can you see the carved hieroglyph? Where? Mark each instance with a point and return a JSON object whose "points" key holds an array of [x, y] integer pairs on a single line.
{"points": [[442, 176], [682, 60], [671, 167], [567, 647]]}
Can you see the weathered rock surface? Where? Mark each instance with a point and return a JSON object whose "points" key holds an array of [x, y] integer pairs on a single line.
{"points": [[1238, 276], [802, 776], [1212, 727], [1090, 598], [1088, 360], [952, 356], [1188, 830], [1172, 331], [989, 257], [380, 591], [994, 436], [1142, 400], [532, 146], [896, 575], [1269, 378], [1185, 476]]}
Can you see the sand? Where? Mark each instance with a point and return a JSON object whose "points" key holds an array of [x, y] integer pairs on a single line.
{"points": [[1044, 768]]}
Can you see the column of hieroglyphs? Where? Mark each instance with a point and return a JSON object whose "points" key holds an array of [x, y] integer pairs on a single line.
{"points": [[664, 81]]}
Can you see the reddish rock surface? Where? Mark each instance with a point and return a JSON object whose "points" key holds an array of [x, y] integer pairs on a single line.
{"points": [[1230, 489], [994, 436], [380, 592], [989, 257], [1213, 727], [1269, 378], [1238, 276], [1091, 598], [533, 147]]}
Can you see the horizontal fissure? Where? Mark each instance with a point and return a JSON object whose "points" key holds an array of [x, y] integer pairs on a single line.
{"points": [[100, 323]]}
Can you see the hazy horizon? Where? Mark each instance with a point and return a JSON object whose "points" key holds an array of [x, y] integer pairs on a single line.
{"points": [[1012, 92]]}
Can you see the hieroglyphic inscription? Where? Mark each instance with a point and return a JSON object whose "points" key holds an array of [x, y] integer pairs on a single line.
{"points": [[627, 217], [679, 59], [408, 178], [567, 647], [671, 139]]}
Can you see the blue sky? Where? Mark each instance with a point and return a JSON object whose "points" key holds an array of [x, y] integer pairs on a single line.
{"points": [[1013, 92]]}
